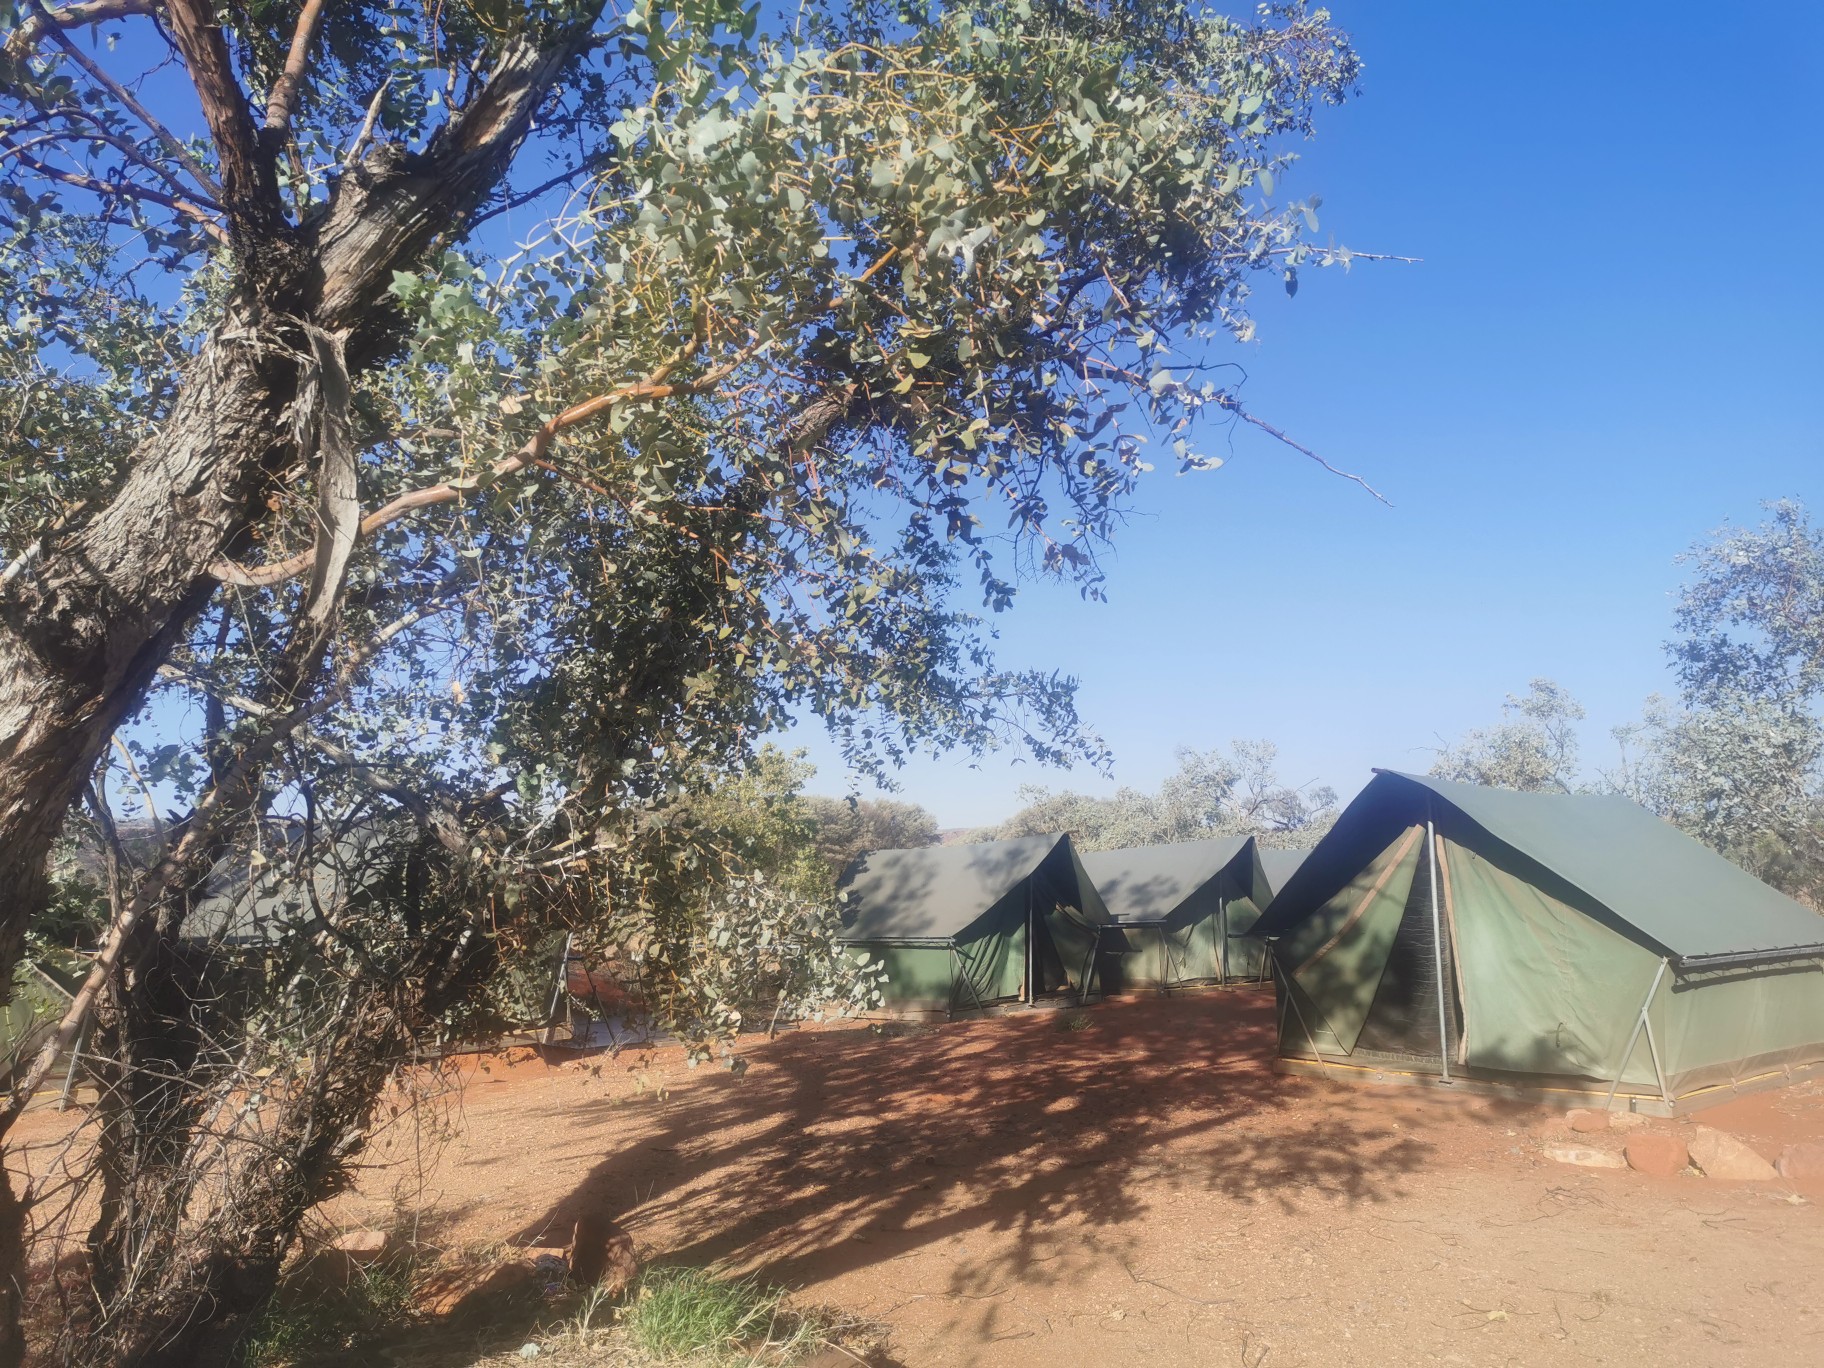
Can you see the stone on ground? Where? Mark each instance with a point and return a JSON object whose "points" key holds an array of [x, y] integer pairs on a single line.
{"points": [[361, 1247], [1585, 1157], [601, 1252], [1586, 1120], [1803, 1162], [469, 1291], [1722, 1155], [1658, 1156]]}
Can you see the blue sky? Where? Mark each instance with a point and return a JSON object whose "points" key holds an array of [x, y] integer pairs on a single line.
{"points": [[1611, 347]]}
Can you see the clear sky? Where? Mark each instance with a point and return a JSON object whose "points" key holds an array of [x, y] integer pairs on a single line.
{"points": [[1611, 347]]}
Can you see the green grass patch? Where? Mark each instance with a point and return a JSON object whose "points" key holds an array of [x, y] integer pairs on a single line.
{"points": [[687, 1314], [300, 1324]]}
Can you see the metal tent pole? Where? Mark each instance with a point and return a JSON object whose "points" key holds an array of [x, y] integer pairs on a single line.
{"points": [[1222, 943], [1437, 942], [1634, 1039], [1032, 950]]}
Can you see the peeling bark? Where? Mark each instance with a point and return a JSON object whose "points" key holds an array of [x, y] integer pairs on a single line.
{"points": [[84, 630]]}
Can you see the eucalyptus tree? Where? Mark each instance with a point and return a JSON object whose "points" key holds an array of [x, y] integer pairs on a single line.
{"points": [[450, 432], [1738, 760], [1534, 749]]}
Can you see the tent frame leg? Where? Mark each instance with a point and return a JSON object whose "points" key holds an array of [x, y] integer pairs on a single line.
{"points": [[962, 972], [1173, 969], [1316, 1050], [1659, 1074], [1088, 973], [82, 1043], [1222, 940], [1640, 1023], [559, 990]]}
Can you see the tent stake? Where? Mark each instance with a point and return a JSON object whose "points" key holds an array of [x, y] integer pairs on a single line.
{"points": [[1437, 942], [1634, 1039]]}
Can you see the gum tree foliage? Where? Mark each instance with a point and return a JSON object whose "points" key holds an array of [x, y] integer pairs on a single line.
{"points": [[1209, 794], [453, 436], [844, 828], [1533, 749], [1738, 760]]}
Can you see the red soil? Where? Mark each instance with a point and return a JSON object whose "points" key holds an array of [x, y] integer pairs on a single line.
{"points": [[1008, 1191]]}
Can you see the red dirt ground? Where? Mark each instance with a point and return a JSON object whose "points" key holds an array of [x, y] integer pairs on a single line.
{"points": [[1007, 1191]]}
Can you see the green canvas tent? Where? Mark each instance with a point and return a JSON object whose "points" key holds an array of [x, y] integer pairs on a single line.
{"points": [[1280, 865], [1184, 909], [968, 926], [1563, 944]]}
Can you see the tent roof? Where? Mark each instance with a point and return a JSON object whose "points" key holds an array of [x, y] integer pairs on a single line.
{"points": [[1281, 865], [1145, 883], [936, 891], [1678, 894]]}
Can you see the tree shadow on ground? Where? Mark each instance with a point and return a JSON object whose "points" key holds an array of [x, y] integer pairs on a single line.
{"points": [[847, 1148]]}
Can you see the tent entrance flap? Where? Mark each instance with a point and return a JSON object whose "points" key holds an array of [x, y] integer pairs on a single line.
{"points": [[1415, 1010], [1341, 952]]}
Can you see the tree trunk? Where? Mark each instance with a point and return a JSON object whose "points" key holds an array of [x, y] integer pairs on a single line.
{"points": [[83, 631]]}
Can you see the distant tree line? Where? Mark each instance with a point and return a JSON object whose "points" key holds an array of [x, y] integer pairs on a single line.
{"points": [[1211, 793]]}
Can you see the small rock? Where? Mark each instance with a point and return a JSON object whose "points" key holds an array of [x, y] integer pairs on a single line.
{"points": [[1803, 1162], [601, 1252], [461, 1292], [529, 1351], [1586, 1121], [1721, 1155], [1627, 1120], [361, 1247], [1658, 1156], [1585, 1157]]}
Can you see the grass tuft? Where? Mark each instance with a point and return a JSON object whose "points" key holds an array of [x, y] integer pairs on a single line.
{"points": [[690, 1314], [300, 1324]]}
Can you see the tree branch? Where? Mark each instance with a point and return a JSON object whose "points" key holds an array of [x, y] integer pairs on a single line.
{"points": [[24, 40], [200, 829], [188, 208], [284, 101], [531, 454], [250, 187], [126, 98]]}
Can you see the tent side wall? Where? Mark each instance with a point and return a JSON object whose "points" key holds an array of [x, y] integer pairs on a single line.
{"points": [[917, 975], [1547, 990], [1721, 1028]]}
